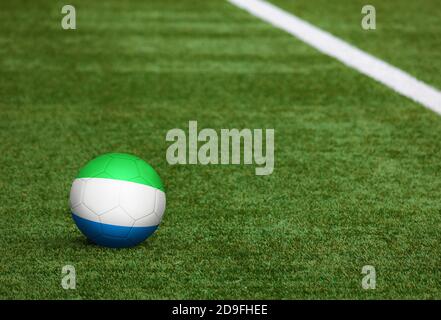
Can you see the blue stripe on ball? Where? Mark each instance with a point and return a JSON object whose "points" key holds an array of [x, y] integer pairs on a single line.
{"points": [[112, 236]]}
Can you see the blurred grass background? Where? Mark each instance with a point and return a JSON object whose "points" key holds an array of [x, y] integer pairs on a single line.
{"points": [[357, 172]]}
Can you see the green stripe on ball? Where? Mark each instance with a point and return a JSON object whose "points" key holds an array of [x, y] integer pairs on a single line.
{"points": [[122, 166]]}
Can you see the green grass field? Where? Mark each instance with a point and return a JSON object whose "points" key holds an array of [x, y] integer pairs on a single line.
{"points": [[357, 166]]}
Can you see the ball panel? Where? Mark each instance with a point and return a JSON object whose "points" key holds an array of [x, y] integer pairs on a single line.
{"points": [[136, 199], [94, 167], [76, 193], [117, 217], [122, 169], [148, 221], [139, 234], [111, 242], [113, 231], [125, 156], [89, 228], [160, 204], [82, 211], [101, 195], [104, 175], [141, 180], [149, 174]]}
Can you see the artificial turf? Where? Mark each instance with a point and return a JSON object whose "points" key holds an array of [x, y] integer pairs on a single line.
{"points": [[357, 166]]}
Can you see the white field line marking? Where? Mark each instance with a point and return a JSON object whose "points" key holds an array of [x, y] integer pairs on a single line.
{"points": [[351, 56]]}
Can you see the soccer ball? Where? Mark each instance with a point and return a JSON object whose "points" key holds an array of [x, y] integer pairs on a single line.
{"points": [[117, 200]]}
